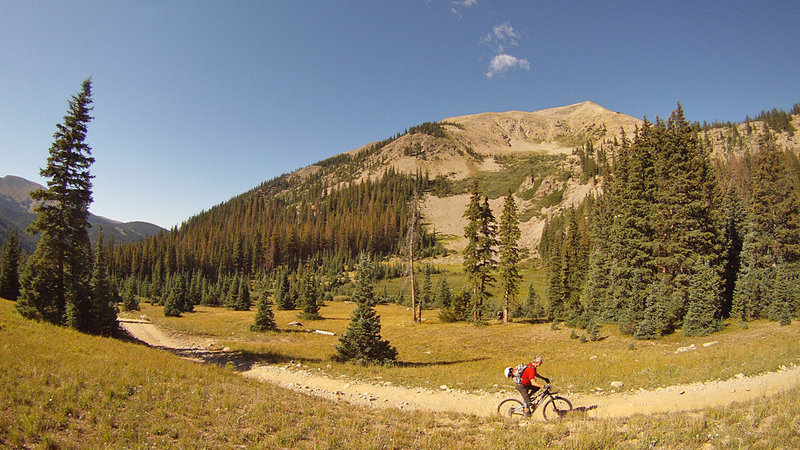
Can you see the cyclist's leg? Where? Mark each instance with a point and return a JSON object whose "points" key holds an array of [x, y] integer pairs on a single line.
{"points": [[524, 391]]}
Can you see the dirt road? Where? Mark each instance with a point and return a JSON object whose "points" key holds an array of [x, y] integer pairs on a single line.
{"points": [[384, 395]]}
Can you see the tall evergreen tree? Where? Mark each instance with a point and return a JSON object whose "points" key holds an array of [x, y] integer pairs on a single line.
{"points": [[557, 291], [56, 284], [362, 342], [771, 240], [575, 256], [632, 230], [9, 267], [472, 257], [508, 238], [479, 262], [104, 307], [775, 202]]}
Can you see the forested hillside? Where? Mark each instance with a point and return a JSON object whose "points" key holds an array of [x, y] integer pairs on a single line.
{"points": [[656, 226]]}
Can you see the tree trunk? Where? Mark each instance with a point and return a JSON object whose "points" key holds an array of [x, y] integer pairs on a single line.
{"points": [[505, 309]]}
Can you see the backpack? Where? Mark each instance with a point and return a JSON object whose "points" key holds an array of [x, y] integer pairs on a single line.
{"points": [[518, 372]]}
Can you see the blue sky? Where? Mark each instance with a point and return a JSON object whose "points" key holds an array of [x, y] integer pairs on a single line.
{"points": [[198, 101]]}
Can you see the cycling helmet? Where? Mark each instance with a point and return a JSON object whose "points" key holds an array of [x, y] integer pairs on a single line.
{"points": [[508, 371]]}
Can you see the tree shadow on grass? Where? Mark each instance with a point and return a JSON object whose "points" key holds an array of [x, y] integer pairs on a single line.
{"points": [[238, 360], [437, 363]]}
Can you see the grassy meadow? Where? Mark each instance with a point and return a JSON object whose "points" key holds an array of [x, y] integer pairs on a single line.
{"points": [[469, 357], [63, 389]]}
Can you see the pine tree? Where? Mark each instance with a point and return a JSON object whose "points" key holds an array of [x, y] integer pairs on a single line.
{"points": [[9, 267], [459, 308], [129, 300], [265, 318], [479, 254], [632, 232], [243, 302], [232, 291], [362, 342], [654, 322], [426, 296], [283, 298], [173, 303], [307, 294], [784, 300], [104, 307], [575, 261], [444, 296], [704, 301], [508, 238], [775, 214], [556, 282], [56, 284], [472, 258]]}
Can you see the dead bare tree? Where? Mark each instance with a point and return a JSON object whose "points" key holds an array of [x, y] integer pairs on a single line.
{"points": [[412, 230]]}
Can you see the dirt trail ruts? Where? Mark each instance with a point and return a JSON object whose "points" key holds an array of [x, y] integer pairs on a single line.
{"points": [[622, 404]]}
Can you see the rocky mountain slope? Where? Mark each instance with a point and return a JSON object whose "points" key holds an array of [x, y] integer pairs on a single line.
{"points": [[529, 153], [16, 212], [532, 154]]}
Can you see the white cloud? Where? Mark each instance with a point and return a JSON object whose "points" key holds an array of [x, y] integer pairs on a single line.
{"points": [[502, 62], [462, 3], [500, 35]]}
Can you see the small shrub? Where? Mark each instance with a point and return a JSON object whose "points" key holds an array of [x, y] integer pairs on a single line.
{"points": [[573, 335]]}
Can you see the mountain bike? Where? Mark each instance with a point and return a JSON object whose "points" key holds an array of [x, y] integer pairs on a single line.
{"points": [[553, 406]]}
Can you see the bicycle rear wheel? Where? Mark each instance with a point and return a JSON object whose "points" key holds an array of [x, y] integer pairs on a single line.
{"points": [[556, 407], [511, 407]]}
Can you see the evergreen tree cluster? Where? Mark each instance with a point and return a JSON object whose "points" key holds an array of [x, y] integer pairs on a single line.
{"points": [[679, 241], [593, 162], [9, 267], [484, 241], [281, 224], [778, 120]]}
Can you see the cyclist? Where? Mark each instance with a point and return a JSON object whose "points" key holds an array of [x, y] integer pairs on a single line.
{"points": [[524, 375]]}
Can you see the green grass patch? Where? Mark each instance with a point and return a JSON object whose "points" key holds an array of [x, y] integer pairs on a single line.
{"points": [[553, 198], [514, 172]]}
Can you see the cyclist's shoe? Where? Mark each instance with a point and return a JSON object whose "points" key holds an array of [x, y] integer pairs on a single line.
{"points": [[527, 412]]}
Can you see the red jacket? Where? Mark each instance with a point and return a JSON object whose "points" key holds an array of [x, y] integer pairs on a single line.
{"points": [[527, 375]]}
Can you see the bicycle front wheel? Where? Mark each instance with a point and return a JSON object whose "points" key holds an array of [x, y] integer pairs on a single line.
{"points": [[511, 407], [556, 407]]}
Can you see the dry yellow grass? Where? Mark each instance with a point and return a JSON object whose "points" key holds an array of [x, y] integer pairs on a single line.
{"points": [[59, 388]]}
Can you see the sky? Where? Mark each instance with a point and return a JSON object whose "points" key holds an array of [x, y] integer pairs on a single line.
{"points": [[198, 101]]}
